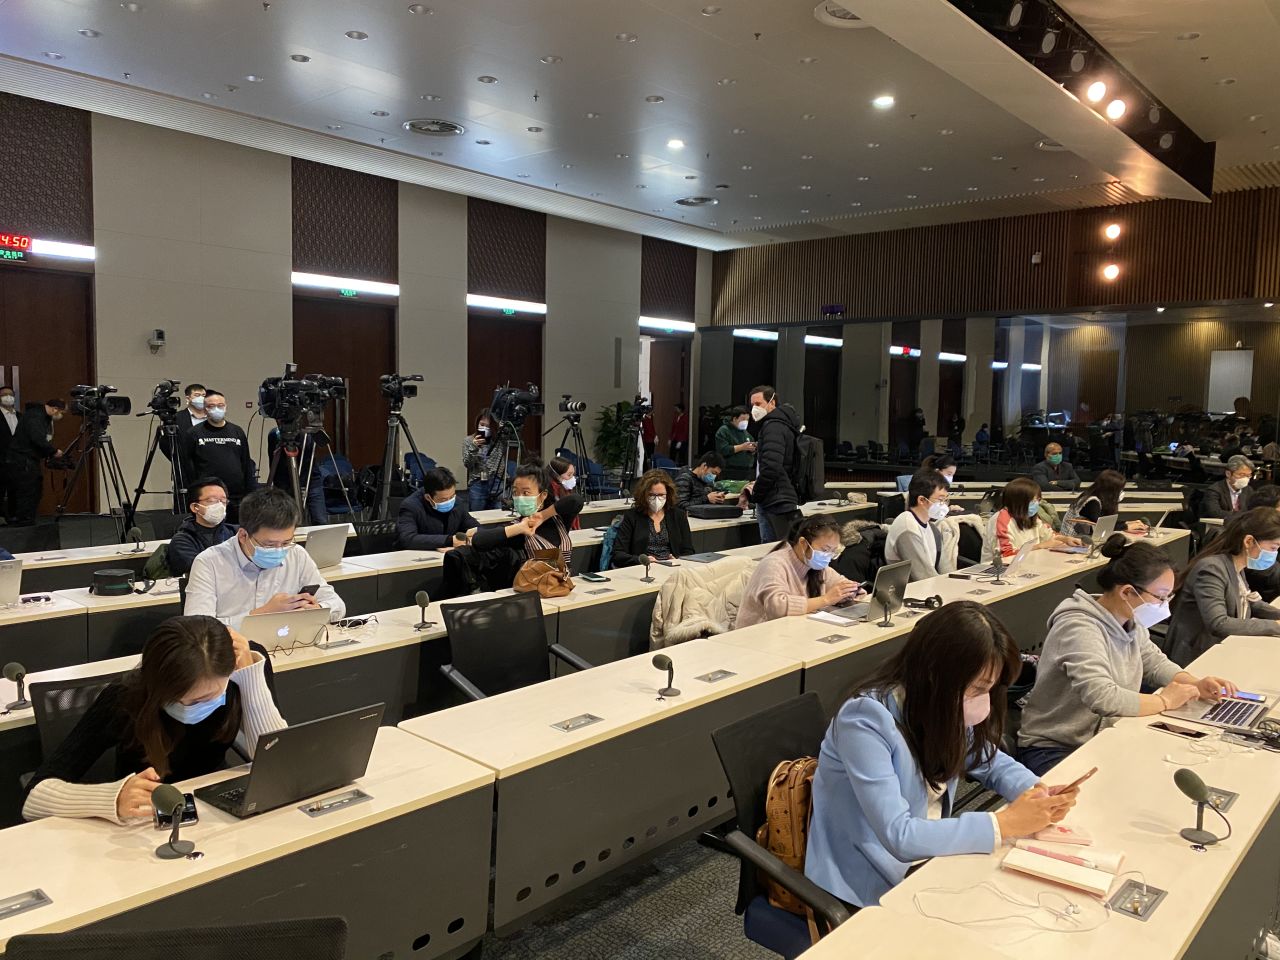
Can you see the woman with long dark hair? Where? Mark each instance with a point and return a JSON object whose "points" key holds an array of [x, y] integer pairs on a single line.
{"points": [[656, 526], [796, 578], [1214, 600], [1017, 523], [198, 690], [1100, 499], [485, 460], [891, 759]]}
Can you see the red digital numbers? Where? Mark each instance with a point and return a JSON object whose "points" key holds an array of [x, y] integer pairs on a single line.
{"points": [[15, 241]]}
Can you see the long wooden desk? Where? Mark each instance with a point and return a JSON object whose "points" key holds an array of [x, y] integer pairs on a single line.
{"points": [[408, 868], [574, 806], [1217, 900], [878, 934]]}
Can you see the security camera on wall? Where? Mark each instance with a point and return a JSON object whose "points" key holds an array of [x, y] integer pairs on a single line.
{"points": [[156, 340]]}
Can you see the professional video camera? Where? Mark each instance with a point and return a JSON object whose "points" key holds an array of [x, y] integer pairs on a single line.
{"points": [[640, 408], [164, 402], [513, 405], [97, 402], [298, 402], [569, 405], [398, 388]]}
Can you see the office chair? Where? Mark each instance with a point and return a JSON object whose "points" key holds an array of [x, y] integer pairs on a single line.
{"points": [[319, 938], [500, 644], [416, 468], [59, 705], [663, 463], [749, 749], [376, 536]]}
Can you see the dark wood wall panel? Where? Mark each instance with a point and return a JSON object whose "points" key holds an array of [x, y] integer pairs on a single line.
{"points": [[345, 223], [668, 278], [1170, 251], [506, 251], [46, 189]]}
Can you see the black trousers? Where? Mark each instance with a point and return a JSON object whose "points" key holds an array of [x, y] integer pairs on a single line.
{"points": [[26, 483], [8, 500]]}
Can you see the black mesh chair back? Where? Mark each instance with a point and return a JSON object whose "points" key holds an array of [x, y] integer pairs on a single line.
{"points": [[376, 536], [499, 644], [320, 938], [750, 748], [58, 707]]}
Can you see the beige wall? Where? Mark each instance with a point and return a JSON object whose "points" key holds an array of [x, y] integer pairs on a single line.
{"points": [[194, 236], [591, 347]]}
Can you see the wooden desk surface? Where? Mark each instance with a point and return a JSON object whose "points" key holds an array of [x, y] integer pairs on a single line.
{"points": [[1133, 806], [92, 869], [513, 731], [58, 606], [164, 592], [879, 934], [396, 561]]}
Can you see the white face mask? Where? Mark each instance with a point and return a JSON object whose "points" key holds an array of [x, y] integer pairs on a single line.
{"points": [[758, 413], [197, 402], [217, 414], [1149, 614], [948, 477], [569, 483], [1120, 499], [1240, 483], [938, 511], [7, 401], [656, 504], [976, 709], [741, 424], [214, 513]]}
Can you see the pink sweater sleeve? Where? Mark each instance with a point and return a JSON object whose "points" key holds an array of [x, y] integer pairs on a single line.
{"points": [[781, 593]]}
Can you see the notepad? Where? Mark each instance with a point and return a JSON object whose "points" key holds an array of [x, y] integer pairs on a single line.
{"points": [[1092, 880], [1064, 833]]}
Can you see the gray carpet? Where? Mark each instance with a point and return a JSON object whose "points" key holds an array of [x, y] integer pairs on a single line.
{"points": [[678, 906]]}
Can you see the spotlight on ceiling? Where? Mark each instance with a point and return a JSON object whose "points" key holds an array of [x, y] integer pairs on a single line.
{"points": [[1268, 304], [675, 144], [1110, 272], [1159, 309], [1111, 231], [883, 102], [1049, 42], [1078, 61], [1115, 109], [1016, 12], [1095, 91]]}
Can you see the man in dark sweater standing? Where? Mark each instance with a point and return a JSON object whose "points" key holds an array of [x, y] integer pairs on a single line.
{"points": [[188, 416], [773, 493], [31, 445], [206, 526], [218, 448]]}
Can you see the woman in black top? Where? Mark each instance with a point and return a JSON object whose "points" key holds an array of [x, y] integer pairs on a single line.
{"points": [[1101, 499], [544, 521], [655, 526], [198, 689]]}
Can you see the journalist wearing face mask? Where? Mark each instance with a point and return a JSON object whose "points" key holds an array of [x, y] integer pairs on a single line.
{"points": [[796, 578], [259, 570], [543, 525], [1018, 523], [655, 527], [735, 445], [205, 525], [197, 691], [913, 535], [564, 481], [891, 759], [434, 518], [485, 460], [1231, 495], [1213, 600], [1098, 655]]}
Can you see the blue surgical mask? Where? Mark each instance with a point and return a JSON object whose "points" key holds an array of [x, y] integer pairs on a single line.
{"points": [[268, 557], [525, 506], [444, 506], [819, 559], [1033, 508], [217, 414], [192, 713], [709, 477], [198, 402], [1265, 560]]}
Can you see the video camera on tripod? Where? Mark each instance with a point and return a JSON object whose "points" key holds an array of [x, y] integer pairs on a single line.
{"points": [[296, 403], [569, 406], [513, 406], [164, 402], [398, 388], [97, 406], [98, 403]]}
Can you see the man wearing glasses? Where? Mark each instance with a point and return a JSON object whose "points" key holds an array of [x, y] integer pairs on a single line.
{"points": [[259, 570], [913, 534], [206, 526]]}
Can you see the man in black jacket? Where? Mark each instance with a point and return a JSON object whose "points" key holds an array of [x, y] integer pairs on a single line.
{"points": [[218, 448], [8, 427], [31, 445], [206, 526], [1230, 496], [433, 519], [773, 493], [697, 486], [188, 416]]}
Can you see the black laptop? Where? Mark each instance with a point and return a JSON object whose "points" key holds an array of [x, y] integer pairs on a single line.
{"points": [[298, 762]]}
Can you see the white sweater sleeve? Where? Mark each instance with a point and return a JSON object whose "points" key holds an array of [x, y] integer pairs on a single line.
{"points": [[58, 798], [259, 711]]}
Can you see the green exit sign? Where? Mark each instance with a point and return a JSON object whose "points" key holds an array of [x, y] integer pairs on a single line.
{"points": [[12, 254], [507, 311], [347, 292]]}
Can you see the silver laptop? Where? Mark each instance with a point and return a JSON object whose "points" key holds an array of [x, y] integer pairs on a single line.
{"points": [[1158, 529], [1006, 570], [277, 631], [10, 582], [1230, 713], [326, 544], [1102, 530], [888, 590]]}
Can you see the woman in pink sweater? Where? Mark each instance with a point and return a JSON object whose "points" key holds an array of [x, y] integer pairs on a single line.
{"points": [[796, 578]]}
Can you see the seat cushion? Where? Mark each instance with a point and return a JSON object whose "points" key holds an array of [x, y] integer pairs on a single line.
{"points": [[784, 933]]}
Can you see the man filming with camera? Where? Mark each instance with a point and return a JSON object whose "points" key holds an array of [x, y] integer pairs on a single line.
{"points": [[31, 445], [188, 416], [215, 447]]}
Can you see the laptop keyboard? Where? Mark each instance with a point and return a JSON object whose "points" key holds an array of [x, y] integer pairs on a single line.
{"points": [[1234, 713], [233, 796]]}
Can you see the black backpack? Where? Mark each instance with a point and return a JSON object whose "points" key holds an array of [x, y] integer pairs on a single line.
{"points": [[808, 469]]}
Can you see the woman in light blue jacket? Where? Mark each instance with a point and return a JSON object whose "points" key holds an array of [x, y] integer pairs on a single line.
{"points": [[890, 761]]}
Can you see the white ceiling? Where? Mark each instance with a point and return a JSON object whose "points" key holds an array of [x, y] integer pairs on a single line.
{"points": [[986, 164]]}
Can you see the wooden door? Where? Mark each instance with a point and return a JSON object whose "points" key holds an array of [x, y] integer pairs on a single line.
{"points": [[821, 395], [356, 341], [669, 384], [46, 331], [503, 350]]}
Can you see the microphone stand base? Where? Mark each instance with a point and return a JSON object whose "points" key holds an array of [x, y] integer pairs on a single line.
{"points": [[1200, 838], [178, 850], [23, 704], [646, 579], [668, 692], [425, 625]]}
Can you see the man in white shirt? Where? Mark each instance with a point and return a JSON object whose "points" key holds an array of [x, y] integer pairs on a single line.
{"points": [[912, 535], [259, 570]]}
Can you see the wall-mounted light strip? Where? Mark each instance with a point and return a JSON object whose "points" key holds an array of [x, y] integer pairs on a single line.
{"points": [[904, 351], [952, 358], [1004, 365], [1035, 367], [748, 334], [67, 251], [502, 303], [669, 326], [814, 341], [318, 281]]}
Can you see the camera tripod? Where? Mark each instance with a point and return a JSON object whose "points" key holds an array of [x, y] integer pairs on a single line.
{"points": [[293, 450], [94, 439], [395, 424], [508, 435], [633, 462], [166, 435], [573, 442]]}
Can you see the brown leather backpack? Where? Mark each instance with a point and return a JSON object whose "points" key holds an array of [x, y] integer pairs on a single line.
{"points": [[544, 574], [788, 807]]}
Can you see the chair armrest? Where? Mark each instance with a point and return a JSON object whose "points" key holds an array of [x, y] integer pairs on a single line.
{"points": [[828, 909], [469, 689], [569, 657]]}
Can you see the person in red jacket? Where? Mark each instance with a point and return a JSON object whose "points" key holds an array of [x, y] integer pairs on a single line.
{"points": [[680, 435]]}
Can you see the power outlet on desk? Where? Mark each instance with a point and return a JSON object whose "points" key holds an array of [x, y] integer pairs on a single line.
{"points": [[1136, 900], [1221, 800]]}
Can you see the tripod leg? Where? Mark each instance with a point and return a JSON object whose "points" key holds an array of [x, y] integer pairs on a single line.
{"points": [[146, 469], [114, 486], [80, 449], [388, 464], [337, 472]]}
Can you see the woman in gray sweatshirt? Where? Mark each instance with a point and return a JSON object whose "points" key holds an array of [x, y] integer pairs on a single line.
{"points": [[1098, 654]]}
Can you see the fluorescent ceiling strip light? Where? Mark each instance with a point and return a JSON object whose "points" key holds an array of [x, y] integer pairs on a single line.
{"points": [[813, 341], [904, 351], [999, 365], [502, 303], [1031, 366], [750, 334], [952, 357], [321, 282], [68, 251], [671, 326]]}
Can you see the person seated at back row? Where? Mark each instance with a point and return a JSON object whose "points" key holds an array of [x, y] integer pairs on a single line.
{"points": [[198, 691], [892, 757], [564, 481], [1101, 499], [543, 524], [433, 519], [913, 536], [795, 578], [259, 570], [206, 526], [1053, 472], [698, 485], [1017, 524], [1231, 495], [655, 526]]}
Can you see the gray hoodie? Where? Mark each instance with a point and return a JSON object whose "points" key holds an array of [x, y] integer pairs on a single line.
{"points": [[1091, 669]]}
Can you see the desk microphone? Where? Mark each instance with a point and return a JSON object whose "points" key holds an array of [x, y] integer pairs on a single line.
{"points": [[423, 600], [647, 578], [1189, 782], [17, 673], [169, 801], [663, 662], [997, 564], [136, 536]]}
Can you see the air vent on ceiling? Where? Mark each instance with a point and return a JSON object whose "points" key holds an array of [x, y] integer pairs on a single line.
{"points": [[435, 128], [834, 15], [697, 201]]}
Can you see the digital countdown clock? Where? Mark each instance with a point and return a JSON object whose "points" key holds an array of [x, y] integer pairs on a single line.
{"points": [[15, 241]]}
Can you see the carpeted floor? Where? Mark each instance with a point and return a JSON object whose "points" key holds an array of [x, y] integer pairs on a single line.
{"points": [[678, 906]]}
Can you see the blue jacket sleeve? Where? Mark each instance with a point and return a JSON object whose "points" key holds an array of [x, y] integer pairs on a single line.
{"points": [[1005, 775]]}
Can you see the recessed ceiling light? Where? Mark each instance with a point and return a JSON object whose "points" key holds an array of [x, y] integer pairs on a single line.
{"points": [[50, 55], [1115, 109], [1050, 146], [420, 8], [379, 113], [91, 34], [209, 96], [946, 131], [1037, 179], [690, 176], [808, 60], [567, 166], [131, 6], [804, 211], [697, 201], [437, 153], [745, 166], [806, 186], [1166, 141], [997, 156], [431, 98], [640, 186], [299, 58], [253, 78], [333, 126], [597, 194], [872, 146], [856, 203], [1189, 35], [534, 129], [487, 79], [1159, 309], [593, 116], [675, 143], [622, 156], [710, 11], [971, 189], [753, 196], [863, 179], [726, 82], [1111, 231], [434, 128], [626, 37], [912, 196], [356, 35], [739, 129], [926, 169], [551, 59], [1078, 60], [722, 186], [1226, 81], [484, 143], [1095, 91], [1111, 271], [711, 222], [808, 116], [654, 98], [1254, 117], [757, 218], [883, 102]]}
